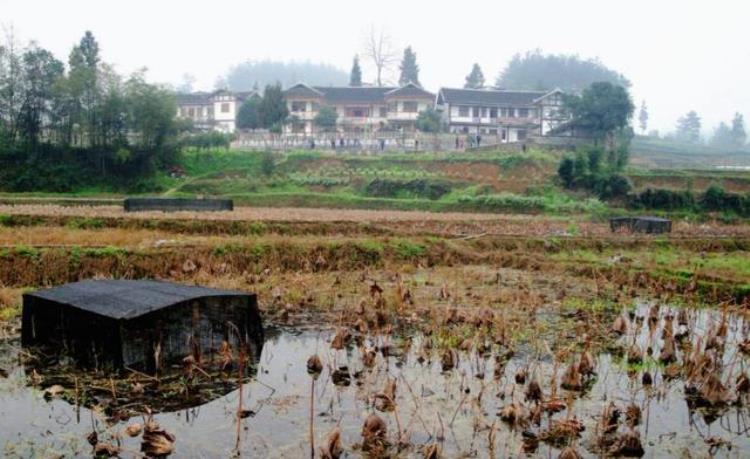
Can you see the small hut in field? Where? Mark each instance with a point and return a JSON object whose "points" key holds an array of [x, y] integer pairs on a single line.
{"points": [[648, 225], [139, 323], [177, 205]]}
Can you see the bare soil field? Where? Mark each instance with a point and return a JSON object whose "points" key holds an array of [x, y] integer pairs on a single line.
{"points": [[259, 214], [337, 221]]}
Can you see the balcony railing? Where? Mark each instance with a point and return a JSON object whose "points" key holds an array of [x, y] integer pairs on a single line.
{"points": [[403, 116]]}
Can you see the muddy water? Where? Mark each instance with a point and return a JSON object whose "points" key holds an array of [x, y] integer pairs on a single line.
{"points": [[454, 408]]}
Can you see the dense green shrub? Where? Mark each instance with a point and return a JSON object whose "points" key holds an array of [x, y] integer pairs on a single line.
{"points": [[63, 169], [206, 140], [662, 199], [714, 199], [419, 188], [554, 203], [593, 171]]}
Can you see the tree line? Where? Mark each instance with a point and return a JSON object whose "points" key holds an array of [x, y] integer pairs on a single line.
{"points": [[63, 124], [726, 135]]}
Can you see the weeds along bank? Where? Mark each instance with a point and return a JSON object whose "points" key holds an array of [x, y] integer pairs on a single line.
{"points": [[716, 268]]}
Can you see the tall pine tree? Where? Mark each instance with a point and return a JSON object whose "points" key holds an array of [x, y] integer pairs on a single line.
{"points": [[689, 127], [475, 79], [643, 117], [409, 68], [355, 78], [272, 111], [738, 134], [84, 69]]}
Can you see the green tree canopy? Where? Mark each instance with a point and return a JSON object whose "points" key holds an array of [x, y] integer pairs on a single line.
{"points": [[602, 109], [689, 128], [355, 77], [41, 72], [151, 110], [118, 128], [429, 120], [537, 71], [273, 110], [475, 79], [409, 68], [248, 116], [326, 119]]}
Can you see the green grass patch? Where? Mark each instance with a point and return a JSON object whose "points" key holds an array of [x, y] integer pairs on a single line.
{"points": [[408, 250]]}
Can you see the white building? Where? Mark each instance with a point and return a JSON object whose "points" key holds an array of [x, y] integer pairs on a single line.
{"points": [[212, 111], [359, 108], [513, 116]]}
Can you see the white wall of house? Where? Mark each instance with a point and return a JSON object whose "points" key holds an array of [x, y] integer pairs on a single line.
{"points": [[225, 112], [373, 115]]}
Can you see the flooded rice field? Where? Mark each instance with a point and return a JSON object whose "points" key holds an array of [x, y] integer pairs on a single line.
{"points": [[669, 382]]}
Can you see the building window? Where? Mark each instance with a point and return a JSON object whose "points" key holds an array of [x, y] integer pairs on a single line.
{"points": [[357, 112], [532, 113], [191, 112], [383, 112], [521, 135], [463, 111], [475, 112], [225, 107], [511, 113], [493, 113], [298, 106], [316, 107], [410, 106], [523, 112]]}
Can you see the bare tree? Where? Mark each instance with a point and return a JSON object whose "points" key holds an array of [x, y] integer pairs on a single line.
{"points": [[10, 80], [379, 50]]}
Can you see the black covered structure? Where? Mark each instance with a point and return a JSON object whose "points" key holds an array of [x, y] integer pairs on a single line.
{"points": [[139, 323], [648, 225], [177, 204]]}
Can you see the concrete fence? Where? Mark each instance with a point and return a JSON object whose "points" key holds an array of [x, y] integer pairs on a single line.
{"points": [[361, 142]]}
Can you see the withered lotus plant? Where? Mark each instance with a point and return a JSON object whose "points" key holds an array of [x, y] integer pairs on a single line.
{"points": [[620, 325], [341, 339], [314, 365], [572, 379], [331, 447], [374, 432], [156, 441], [534, 392], [627, 444], [610, 419], [449, 359]]}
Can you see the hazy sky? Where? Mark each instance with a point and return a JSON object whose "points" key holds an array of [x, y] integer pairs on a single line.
{"points": [[679, 55]]}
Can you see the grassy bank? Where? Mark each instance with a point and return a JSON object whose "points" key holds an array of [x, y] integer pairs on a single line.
{"points": [[489, 182]]}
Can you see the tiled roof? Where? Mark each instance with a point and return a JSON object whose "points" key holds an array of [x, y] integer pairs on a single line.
{"points": [[193, 98], [410, 90], [357, 94], [205, 98], [369, 94], [489, 96]]}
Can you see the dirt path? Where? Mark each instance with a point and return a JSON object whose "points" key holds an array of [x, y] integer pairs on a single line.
{"points": [[267, 214]]}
